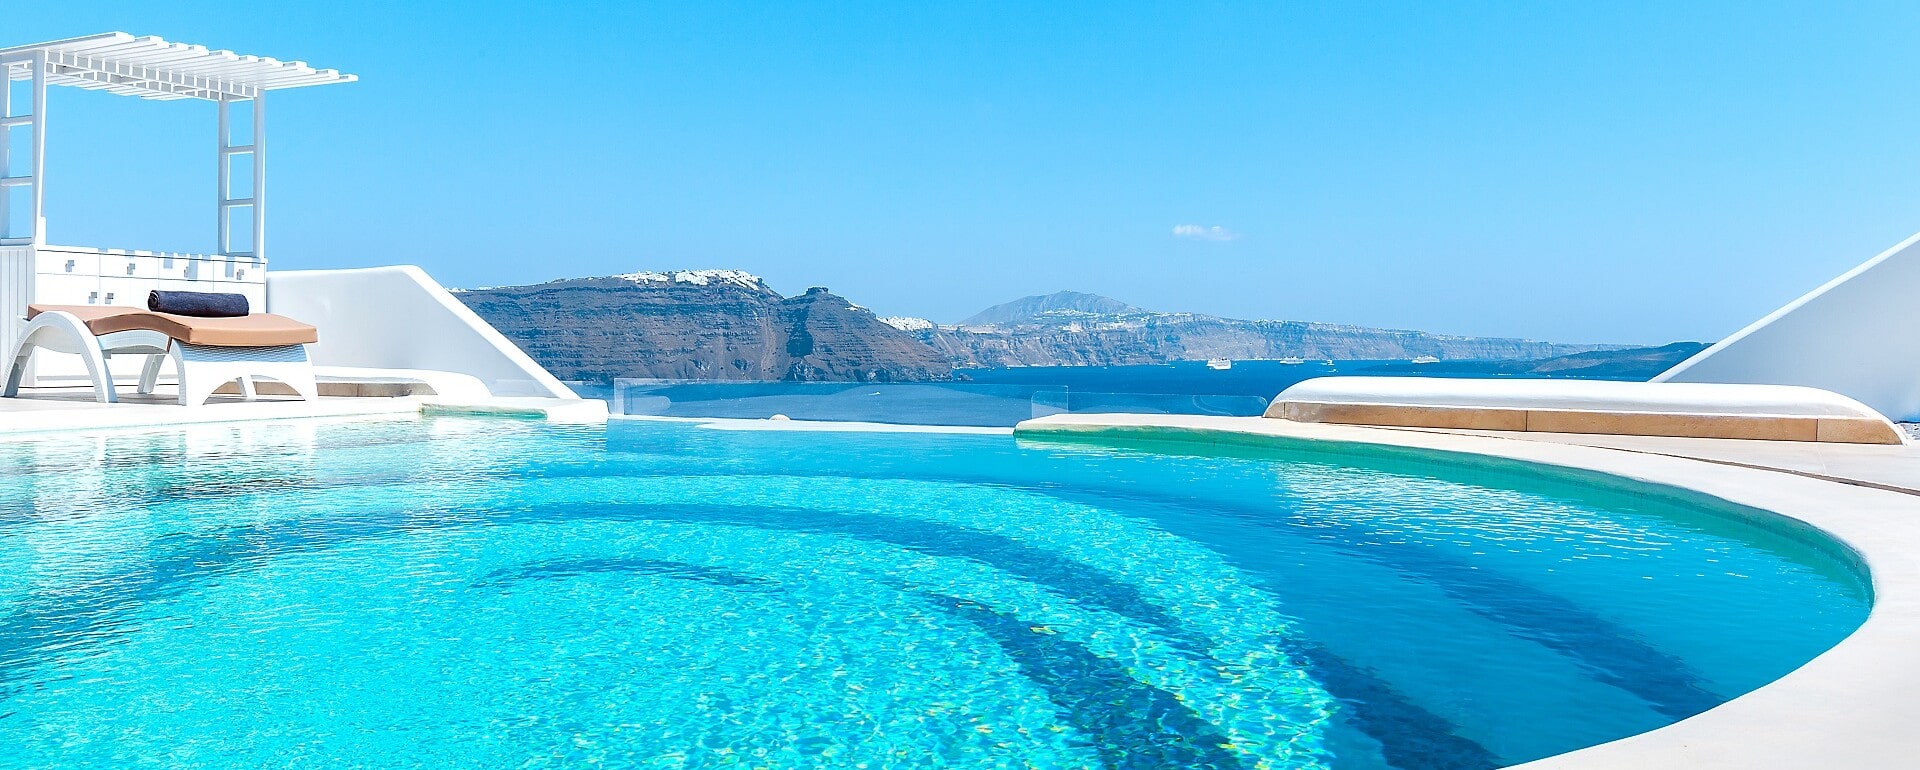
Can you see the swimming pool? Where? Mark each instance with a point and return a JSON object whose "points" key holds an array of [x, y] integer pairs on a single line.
{"points": [[494, 593]]}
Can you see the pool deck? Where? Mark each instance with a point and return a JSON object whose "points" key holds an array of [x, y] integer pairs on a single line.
{"points": [[1894, 468], [1854, 706], [68, 409]]}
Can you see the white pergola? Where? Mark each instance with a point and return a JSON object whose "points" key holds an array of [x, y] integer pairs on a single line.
{"points": [[149, 68]]}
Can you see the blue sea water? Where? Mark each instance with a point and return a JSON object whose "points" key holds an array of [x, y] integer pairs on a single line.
{"points": [[1263, 379], [487, 593], [1004, 397]]}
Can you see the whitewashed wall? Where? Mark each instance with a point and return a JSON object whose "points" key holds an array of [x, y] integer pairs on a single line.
{"points": [[1858, 335], [399, 318], [16, 291]]}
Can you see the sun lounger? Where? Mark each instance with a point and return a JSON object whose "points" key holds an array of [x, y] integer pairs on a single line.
{"points": [[207, 353]]}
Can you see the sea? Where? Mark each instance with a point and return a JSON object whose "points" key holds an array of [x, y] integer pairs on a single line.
{"points": [[1001, 397]]}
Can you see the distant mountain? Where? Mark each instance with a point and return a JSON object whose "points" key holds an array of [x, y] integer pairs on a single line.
{"points": [[1070, 328], [1621, 364], [1056, 305], [729, 325], [700, 324]]}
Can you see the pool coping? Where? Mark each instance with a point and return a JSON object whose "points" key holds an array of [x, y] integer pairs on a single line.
{"points": [[29, 416], [812, 426], [1853, 706]]}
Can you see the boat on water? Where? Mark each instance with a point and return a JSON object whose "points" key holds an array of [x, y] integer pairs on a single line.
{"points": [[1293, 360], [1426, 360], [1219, 363]]}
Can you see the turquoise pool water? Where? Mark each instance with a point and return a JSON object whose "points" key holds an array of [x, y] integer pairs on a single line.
{"points": [[487, 593]]}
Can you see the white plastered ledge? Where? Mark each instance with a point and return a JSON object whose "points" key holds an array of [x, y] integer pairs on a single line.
{"points": [[1709, 410], [1586, 395]]}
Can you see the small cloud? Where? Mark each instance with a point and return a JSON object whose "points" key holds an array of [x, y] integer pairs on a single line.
{"points": [[1200, 233]]}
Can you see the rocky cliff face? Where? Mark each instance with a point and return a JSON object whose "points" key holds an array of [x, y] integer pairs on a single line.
{"points": [[728, 325], [700, 324]]}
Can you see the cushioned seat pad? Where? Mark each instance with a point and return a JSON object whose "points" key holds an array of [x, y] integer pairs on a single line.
{"points": [[249, 331]]}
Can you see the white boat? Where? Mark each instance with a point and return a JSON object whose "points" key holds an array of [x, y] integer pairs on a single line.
{"points": [[1293, 360], [1219, 363], [1426, 360]]}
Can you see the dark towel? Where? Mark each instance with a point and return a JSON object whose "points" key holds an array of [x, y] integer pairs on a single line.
{"points": [[197, 303]]}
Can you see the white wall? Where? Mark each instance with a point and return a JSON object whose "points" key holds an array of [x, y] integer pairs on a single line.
{"points": [[399, 318], [1858, 335]]}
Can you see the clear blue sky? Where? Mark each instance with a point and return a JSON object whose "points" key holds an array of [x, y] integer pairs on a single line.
{"points": [[1570, 171]]}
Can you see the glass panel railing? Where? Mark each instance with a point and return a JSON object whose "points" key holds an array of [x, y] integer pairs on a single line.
{"points": [[930, 403], [1048, 402], [961, 404]]}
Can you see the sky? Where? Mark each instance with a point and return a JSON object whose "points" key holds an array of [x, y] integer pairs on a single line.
{"points": [[1580, 172]]}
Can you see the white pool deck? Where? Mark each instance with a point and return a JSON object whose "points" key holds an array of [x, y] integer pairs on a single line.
{"points": [[69, 409], [1855, 706]]}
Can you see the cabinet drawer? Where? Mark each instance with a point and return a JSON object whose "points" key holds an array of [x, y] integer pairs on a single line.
{"points": [[61, 289], [236, 269], [121, 266], [129, 292], [256, 294], [244, 270], [66, 263], [199, 269], [178, 268]]}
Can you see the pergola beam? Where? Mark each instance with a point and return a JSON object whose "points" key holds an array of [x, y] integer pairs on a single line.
{"points": [[148, 68], [153, 83], [152, 68]]}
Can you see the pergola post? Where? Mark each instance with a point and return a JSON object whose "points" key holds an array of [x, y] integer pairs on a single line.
{"points": [[256, 152], [37, 217], [6, 148], [260, 176], [223, 187], [34, 177]]}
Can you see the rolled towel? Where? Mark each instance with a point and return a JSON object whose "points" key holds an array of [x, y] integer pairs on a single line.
{"points": [[197, 303]]}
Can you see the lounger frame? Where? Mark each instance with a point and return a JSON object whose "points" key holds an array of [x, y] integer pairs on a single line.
{"points": [[200, 369]]}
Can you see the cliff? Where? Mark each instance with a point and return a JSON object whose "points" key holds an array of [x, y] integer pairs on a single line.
{"points": [[700, 324], [729, 325]]}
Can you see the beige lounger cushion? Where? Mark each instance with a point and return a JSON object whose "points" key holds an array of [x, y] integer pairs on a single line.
{"points": [[250, 331]]}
